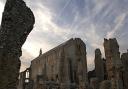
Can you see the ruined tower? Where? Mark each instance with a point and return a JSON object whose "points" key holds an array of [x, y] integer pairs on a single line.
{"points": [[124, 58], [17, 23], [99, 65], [113, 63]]}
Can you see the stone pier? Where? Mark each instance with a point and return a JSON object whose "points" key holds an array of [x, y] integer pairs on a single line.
{"points": [[114, 64], [17, 23], [124, 58], [99, 65]]}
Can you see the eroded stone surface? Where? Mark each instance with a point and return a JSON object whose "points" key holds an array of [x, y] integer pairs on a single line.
{"points": [[64, 67], [94, 83], [17, 23], [113, 63], [99, 65], [106, 84], [124, 58]]}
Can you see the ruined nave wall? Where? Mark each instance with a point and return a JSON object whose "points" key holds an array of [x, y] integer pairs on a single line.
{"points": [[65, 63]]}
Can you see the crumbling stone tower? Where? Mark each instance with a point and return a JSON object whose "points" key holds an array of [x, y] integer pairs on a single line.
{"points": [[124, 58], [113, 62], [17, 23], [99, 65]]}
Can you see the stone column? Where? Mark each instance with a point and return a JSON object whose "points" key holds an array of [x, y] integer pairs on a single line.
{"points": [[124, 58], [99, 65], [17, 23], [113, 62], [81, 64]]}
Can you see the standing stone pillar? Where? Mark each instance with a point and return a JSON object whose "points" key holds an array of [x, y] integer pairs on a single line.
{"points": [[113, 63], [17, 23], [99, 65], [124, 58]]}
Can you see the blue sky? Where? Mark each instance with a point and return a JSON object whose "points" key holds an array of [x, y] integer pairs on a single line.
{"points": [[59, 20]]}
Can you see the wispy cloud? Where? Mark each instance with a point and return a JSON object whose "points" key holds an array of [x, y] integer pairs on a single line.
{"points": [[60, 20], [1, 10], [25, 60], [118, 24], [65, 6]]}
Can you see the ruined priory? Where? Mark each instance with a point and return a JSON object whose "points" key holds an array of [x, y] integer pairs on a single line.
{"points": [[63, 67]]}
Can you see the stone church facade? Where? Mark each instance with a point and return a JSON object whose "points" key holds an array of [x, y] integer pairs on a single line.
{"points": [[63, 67]]}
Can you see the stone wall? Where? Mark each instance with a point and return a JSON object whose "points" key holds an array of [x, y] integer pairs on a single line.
{"points": [[63, 67]]}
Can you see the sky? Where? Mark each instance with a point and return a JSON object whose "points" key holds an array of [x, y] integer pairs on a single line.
{"points": [[59, 20]]}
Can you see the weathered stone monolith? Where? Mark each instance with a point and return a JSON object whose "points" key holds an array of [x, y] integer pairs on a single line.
{"points": [[17, 23], [113, 63], [124, 58], [99, 65]]}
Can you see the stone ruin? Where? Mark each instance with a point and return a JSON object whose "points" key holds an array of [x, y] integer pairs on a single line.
{"points": [[111, 72], [17, 23], [63, 67], [99, 73], [124, 59], [99, 65], [114, 65]]}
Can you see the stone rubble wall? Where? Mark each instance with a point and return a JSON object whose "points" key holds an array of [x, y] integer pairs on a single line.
{"points": [[17, 23]]}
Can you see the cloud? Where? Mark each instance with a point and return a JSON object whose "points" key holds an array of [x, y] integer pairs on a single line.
{"points": [[90, 62], [49, 34], [66, 5], [3, 1], [91, 20], [25, 59], [118, 24], [1, 10]]}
